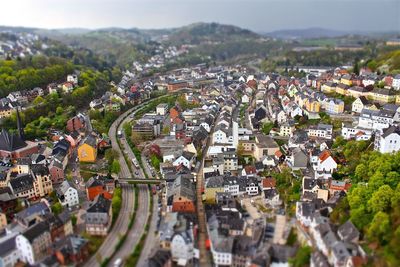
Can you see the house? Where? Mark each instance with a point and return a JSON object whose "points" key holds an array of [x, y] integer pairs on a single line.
{"points": [[359, 104], [328, 87], [182, 247], [312, 105], [99, 216], [67, 195], [162, 109], [342, 88], [176, 85], [99, 185], [67, 87], [32, 185], [347, 232], [181, 195], [56, 170], [271, 197], [9, 253], [34, 243], [87, 151], [268, 183], [358, 91], [213, 185], [30, 215], [388, 141], [350, 131], [160, 258], [320, 131], [186, 159], [286, 129], [72, 249], [335, 106], [245, 99], [76, 123], [324, 165], [383, 95], [297, 159], [72, 78], [260, 113], [396, 82]]}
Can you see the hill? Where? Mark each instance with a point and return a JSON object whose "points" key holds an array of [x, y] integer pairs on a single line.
{"points": [[305, 33]]}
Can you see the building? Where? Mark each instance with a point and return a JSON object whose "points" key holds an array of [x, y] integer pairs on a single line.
{"points": [[99, 185], [87, 151], [67, 195], [9, 253], [176, 85], [182, 247], [14, 146], [359, 104], [99, 216], [388, 141], [320, 131], [162, 109], [34, 243]]}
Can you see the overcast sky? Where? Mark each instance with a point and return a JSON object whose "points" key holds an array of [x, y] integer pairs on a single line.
{"points": [[257, 15]]}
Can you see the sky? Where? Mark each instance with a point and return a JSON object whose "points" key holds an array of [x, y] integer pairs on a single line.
{"points": [[256, 15]]}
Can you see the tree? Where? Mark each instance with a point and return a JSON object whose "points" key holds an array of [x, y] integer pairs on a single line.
{"points": [[166, 130], [356, 68], [381, 199], [302, 257], [57, 208], [115, 167], [379, 228], [110, 155], [267, 127]]}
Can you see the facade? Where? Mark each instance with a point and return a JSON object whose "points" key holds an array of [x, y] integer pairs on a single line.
{"points": [[67, 195], [389, 140], [99, 216], [34, 243]]}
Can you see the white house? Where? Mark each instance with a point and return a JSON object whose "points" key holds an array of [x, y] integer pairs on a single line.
{"points": [[182, 249], [10, 255], [396, 82], [67, 195], [349, 132], [388, 141], [324, 165], [359, 104], [186, 159], [320, 131], [72, 78], [162, 109]]}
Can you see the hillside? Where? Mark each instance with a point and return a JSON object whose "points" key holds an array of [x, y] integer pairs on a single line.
{"points": [[209, 32], [305, 33]]}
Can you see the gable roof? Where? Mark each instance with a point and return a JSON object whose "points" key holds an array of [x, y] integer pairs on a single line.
{"points": [[11, 142]]}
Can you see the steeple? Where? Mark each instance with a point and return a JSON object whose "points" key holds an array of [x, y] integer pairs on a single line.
{"points": [[20, 127]]}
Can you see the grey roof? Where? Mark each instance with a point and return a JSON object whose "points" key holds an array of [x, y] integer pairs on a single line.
{"points": [[36, 230], [392, 129], [319, 260], [8, 246], [90, 140], [348, 232], [97, 213], [215, 181], [22, 183], [62, 189], [10, 141]]}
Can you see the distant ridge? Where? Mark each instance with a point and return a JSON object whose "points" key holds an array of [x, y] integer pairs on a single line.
{"points": [[305, 33]]}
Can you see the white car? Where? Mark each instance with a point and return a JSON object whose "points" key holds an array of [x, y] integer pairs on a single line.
{"points": [[117, 262]]}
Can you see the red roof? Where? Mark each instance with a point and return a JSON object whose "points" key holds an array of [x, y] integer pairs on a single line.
{"points": [[250, 169], [278, 153], [269, 182], [324, 155]]}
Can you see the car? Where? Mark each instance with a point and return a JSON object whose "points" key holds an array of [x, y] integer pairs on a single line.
{"points": [[117, 262]]}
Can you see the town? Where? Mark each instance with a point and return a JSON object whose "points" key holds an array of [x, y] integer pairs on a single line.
{"points": [[137, 142], [209, 165]]}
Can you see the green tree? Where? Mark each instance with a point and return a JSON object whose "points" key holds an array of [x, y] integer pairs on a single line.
{"points": [[57, 208], [267, 127], [379, 229], [302, 257], [381, 199], [115, 167]]}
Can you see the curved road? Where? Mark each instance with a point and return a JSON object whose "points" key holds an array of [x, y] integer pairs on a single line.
{"points": [[121, 225]]}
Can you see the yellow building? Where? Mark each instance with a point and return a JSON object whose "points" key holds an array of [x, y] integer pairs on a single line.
{"points": [[5, 112], [342, 88], [87, 152], [210, 194], [328, 87], [346, 79], [312, 105], [383, 95], [398, 99]]}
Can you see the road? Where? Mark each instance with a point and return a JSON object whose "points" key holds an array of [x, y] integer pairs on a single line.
{"points": [[134, 234], [121, 225]]}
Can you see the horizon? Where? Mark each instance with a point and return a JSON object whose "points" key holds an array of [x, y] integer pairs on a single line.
{"points": [[259, 16]]}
